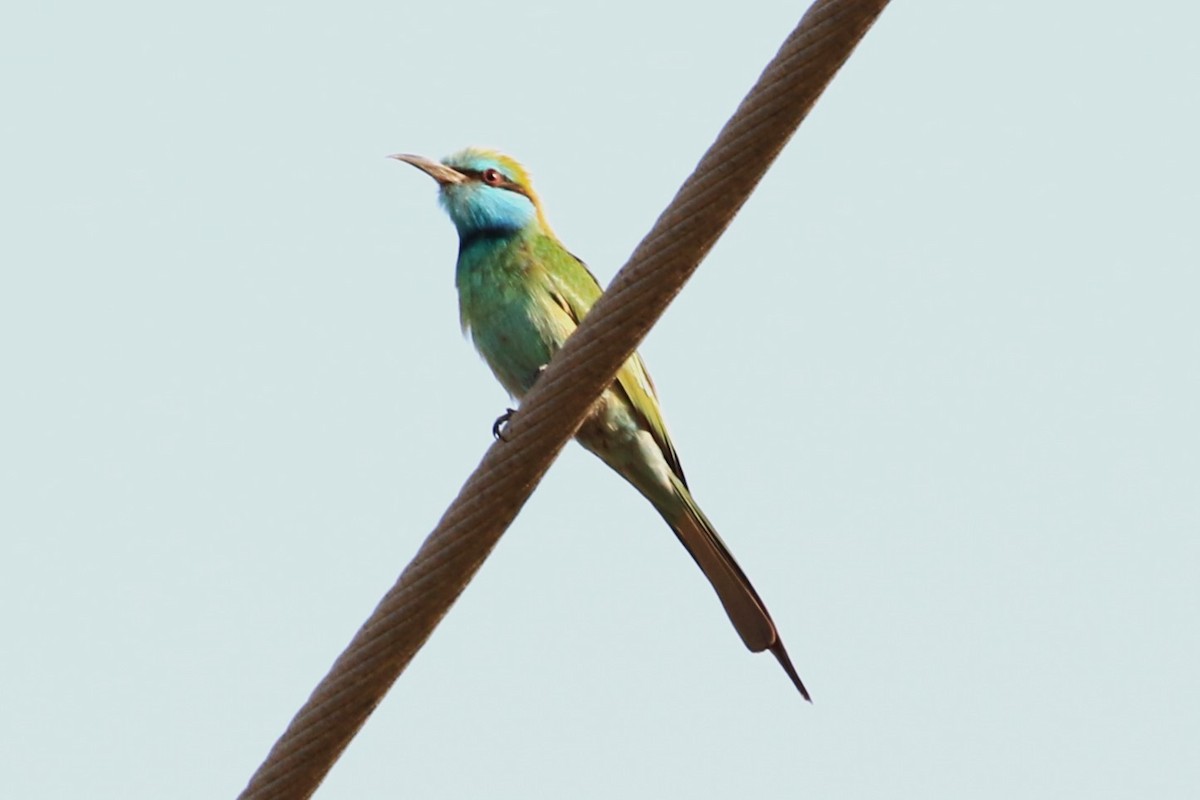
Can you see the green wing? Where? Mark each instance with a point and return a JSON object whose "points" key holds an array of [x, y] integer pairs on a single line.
{"points": [[575, 289]]}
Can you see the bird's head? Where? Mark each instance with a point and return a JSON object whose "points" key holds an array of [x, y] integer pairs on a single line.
{"points": [[483, 190]]}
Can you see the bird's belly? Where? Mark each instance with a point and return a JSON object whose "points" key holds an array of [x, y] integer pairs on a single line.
{"points": [[517, 338]]}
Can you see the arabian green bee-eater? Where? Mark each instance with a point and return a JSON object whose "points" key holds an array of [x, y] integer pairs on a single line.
{"points": [[521, 294]]}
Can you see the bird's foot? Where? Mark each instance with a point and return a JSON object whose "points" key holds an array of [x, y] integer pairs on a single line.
{"points": [[501, 421]]}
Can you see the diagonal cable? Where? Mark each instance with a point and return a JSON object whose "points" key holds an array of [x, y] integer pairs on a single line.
{"points": [[555, 407]]}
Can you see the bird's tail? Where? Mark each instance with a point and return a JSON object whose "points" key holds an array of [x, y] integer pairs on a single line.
{"points": [[745, 608]]}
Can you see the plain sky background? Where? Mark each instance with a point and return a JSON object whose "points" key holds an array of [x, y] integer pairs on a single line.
{"points": [[937, 387]]}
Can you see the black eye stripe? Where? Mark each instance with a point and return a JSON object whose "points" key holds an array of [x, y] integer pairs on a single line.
{"points": [[505, 183]]}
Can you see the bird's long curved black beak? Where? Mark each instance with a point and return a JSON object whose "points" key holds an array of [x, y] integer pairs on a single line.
{"points": [[439, 172]]}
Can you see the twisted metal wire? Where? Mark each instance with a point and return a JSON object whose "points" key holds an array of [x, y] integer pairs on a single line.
{"points": [[556, 406]]}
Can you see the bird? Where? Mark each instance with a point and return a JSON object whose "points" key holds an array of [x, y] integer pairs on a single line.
{"points": [[521, 293]]}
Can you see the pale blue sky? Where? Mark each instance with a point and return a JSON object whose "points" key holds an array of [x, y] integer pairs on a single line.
{"points": [[937, 387]]}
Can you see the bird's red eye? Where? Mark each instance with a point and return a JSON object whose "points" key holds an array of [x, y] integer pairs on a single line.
{"points": [[492, 177]]}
